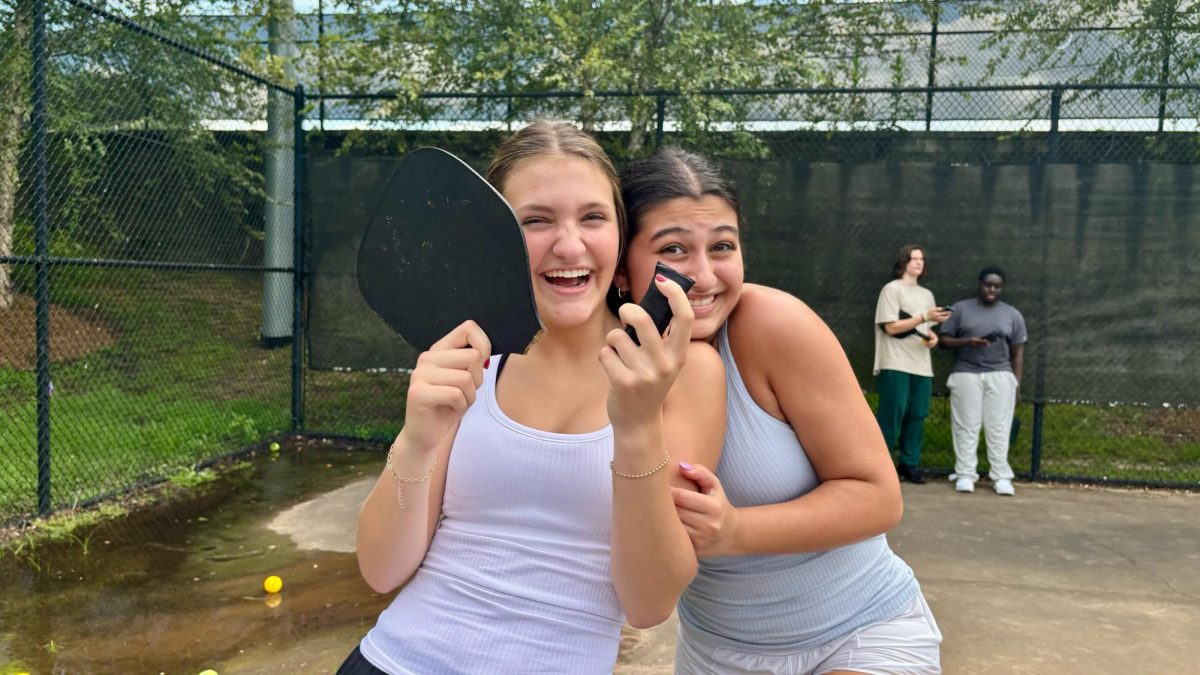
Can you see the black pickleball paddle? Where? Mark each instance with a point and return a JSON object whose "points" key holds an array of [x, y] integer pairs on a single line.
{"points": [[911, 331], [443, 247]]}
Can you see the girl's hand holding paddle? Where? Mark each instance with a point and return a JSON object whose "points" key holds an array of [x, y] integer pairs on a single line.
{"points": [[640, 377], [443, 386]]}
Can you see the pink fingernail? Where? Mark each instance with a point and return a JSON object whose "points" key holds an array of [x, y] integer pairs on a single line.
{"points": [[659, 277], [686, 466]]}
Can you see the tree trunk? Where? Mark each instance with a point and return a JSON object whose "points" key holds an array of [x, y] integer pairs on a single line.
{"points": [[638, 128], [14, 111], [587, 106], [652, 39]]}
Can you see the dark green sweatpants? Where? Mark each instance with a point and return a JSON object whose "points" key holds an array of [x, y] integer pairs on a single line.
{"points": [[903, 407]]}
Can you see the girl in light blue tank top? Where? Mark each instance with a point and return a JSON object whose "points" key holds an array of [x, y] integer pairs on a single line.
{"points": [[795, 575]]}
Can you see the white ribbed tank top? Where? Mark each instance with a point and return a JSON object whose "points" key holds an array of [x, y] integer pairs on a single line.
{"points": [[517, 577], [783, 604]]}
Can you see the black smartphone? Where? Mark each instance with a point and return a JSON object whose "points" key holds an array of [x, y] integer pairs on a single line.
{"points": [[655, 303]]}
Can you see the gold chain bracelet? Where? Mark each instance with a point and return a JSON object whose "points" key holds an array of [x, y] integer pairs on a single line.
{"points": [[613, 465], [401, 480]]}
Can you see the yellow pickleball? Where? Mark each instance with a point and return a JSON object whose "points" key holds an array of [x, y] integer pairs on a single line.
{"points": [[272, 584], [210, 671], [274, 447]]}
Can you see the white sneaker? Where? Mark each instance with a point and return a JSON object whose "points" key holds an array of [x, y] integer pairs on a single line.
{"points": [[966, 485], [1004, 487]]}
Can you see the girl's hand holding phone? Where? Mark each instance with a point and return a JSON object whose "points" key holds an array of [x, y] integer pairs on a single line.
{"points": [[641, 376]]}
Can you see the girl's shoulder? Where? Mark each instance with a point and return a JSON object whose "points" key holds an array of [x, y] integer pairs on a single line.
{"points": [[772, 335], [762, 308], [703, 363], [768, 323]]}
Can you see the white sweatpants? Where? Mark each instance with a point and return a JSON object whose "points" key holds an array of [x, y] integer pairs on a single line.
{"points": [[986, 399]]}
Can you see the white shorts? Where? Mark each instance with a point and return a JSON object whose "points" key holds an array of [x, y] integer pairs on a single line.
{"points": [[909, 642]]}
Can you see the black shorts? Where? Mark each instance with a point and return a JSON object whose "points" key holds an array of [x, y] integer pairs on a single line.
{"points": [[357, 664]]}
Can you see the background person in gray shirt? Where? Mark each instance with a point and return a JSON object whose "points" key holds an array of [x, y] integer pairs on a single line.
{"points": [[989, 336]]}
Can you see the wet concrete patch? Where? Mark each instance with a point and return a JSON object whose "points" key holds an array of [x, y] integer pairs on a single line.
{"points": [[177, 588], [320, 524]]}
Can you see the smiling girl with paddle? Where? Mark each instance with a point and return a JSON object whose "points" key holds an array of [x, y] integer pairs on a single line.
{"points": [[526, 505]]}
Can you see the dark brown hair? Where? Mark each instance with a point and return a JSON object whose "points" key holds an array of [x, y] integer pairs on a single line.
{"points": [[902, 261], [671, 173]]}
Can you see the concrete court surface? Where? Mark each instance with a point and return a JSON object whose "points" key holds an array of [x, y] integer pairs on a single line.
{"points": [[1055, 580]]}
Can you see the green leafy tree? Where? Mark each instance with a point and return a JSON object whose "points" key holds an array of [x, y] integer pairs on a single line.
{"points": [[111, 92], [637, 47], [1150, 41], [104, 78]]}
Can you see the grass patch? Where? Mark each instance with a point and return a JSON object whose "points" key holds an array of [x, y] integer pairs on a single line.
{"points": [[360, 405], [1086, 441], [185, 380], [189, 478], [76, 528]]}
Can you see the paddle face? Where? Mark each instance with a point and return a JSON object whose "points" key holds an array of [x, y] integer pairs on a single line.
{"points": [[443, 247]]}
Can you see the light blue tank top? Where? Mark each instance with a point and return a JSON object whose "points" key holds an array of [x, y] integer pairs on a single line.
{"points": [[781, 604]]}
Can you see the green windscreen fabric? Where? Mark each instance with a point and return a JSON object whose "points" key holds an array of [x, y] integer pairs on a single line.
{"points": [[343, 332], [1101, 257]]}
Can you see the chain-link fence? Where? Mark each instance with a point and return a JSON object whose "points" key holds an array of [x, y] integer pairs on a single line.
{"points": [[140, 205], [149, 192], [861, 44], [1083, 193]]}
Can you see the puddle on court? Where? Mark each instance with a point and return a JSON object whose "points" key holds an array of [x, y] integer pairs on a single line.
{"points": [[177, 588]]}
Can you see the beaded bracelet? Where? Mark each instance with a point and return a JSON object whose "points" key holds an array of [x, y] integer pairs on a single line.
{"points": [[613, 466], [401, 480]]}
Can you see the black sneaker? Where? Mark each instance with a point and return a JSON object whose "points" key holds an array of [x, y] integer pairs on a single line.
{"points": [[910, 473]]}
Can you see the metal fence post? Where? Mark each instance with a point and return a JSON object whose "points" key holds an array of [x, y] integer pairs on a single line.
{"points": [[1039, 385], [298, 259], [320, 59], [1035, 452], [42, 252], [661, 114], [1055, 112]]}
